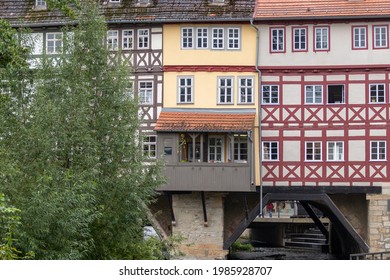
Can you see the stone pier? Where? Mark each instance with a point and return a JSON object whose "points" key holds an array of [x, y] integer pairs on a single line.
{"points": [[379, 222], [203, 239]]}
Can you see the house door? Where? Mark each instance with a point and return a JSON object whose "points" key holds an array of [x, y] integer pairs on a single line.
{"points": [[216, 147]]}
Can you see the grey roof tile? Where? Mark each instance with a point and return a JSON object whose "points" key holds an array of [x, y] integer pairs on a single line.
{"points": [[22, 12]]}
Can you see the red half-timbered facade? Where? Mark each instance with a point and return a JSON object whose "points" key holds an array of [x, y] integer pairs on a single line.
{"points": [[343, 143], [324, 93]]}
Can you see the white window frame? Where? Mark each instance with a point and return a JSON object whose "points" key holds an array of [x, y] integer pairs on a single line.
{"points": [[322, 39], [112, 40], [246, 90], [270, 150], [316, 90], [145, 92], [297, 39], [56, 49], [277, 39], [225, 91], [380, 36], [150, 146], [359, 37], [40, 3], [187, 38], [233, 39], [143, 38], [376, 154], [315, 149], [128, 39], [240, 144], [185, 90], [272, 92], [202, 38], [375, 93], [335, 150], [218, 38], [222, 147]]}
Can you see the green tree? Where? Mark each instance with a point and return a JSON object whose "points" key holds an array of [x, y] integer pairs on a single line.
{"points": [[71, 133]]}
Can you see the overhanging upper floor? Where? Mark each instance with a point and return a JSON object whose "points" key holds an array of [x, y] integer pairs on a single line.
{"points": [[207, 149]]}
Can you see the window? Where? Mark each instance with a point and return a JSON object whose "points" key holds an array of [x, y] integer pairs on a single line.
{"points": [[378, 150], [143, 2], [225, 90], [359, 37], [112, 40], [377, 93], [218, 35], [277, 39], [335, 151], [270, 151], [187, 37], [216, 147], [321, 38], [115, 1], [299, 39], [150, 146], [313, 151], [240, 148], [40, 3], [313, 94], [202, 37], [127, 39], [185, 88], [245, 89], [336, 94], [233, 38], [270, 94], [222, 38], [53, 43], [380, 37], [145, 92], [143, 38]]}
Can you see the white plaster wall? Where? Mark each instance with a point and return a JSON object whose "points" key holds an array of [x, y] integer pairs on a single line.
{"points": [[291, 151], [292, 94], [356, 94], [357, 150], [340, 53]]}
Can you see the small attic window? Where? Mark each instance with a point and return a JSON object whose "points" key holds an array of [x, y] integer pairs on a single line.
{"points": [[143, 2], [40, 5], [218, 2]]}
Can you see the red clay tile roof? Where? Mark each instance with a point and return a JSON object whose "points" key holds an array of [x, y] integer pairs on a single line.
{"points": [[301, 9], [205, 121]]}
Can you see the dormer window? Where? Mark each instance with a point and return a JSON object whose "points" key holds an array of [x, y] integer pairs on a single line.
{"points": [[218, 2], [143, 2], [40, 4]]}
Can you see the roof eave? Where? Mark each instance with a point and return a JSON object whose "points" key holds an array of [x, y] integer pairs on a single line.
{"points": [[263, 19]]}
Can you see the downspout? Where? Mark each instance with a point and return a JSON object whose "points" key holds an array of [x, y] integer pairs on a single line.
{"points": [[259, 113]]}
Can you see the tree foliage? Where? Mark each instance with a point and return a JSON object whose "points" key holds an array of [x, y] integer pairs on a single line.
{"points": [[70, 132]]}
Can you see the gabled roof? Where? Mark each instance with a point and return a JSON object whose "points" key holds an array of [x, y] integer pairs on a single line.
{"points": [[316, 9], [22, 12], [205, 120]]}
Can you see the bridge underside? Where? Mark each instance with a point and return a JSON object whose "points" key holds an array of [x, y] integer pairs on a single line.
{"points": [[212, 221], [333, 203]]}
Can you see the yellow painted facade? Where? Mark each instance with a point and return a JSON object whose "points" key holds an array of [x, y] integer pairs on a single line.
{"points": [[175, 55], [205, 81]]}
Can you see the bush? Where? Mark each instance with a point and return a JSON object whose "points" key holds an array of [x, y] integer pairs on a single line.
{"points": [[238, 246]]}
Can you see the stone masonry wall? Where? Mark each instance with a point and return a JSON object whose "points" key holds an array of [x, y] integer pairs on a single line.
{"points": [[202, 241], [379, 222]]}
